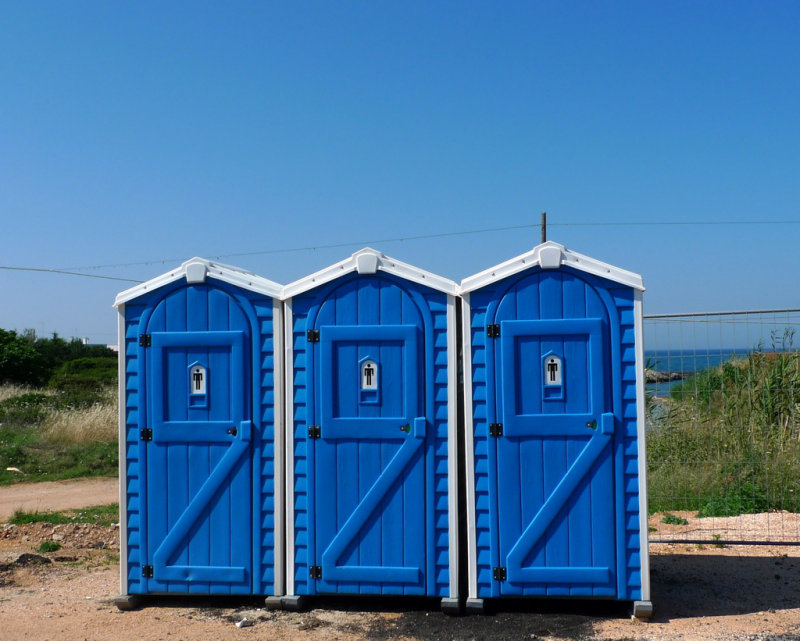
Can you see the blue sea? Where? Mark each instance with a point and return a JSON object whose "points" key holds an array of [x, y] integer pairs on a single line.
{"points": [[686, 361], [676, 360]]}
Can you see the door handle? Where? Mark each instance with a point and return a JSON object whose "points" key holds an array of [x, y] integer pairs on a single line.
{"points": [[420, 425], [244, 431]]}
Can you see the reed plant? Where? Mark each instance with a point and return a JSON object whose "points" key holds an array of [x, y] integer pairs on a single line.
{"points": [[727, 440]]}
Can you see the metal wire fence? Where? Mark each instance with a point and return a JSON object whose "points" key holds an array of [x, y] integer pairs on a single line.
{"points": [[723, 427]]}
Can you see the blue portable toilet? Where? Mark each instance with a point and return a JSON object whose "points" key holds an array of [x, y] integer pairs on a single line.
{"points": [[554, 421], [201, 432], [371, 432]]}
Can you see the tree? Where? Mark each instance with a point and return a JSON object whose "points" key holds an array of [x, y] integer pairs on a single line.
{"points": [[19, 361]]}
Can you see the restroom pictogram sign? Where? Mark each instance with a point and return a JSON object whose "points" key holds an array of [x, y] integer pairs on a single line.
{"points": [[369, 375]]}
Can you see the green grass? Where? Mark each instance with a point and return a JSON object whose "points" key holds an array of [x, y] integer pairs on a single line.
{"points": [[40, 460], [98, 515], [49, 546], [46, 435]]}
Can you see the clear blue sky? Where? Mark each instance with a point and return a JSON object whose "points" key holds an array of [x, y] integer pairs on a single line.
{"points": [[151, 131]]}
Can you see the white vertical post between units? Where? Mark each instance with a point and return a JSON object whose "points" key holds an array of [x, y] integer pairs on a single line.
{"points": [[279, 433], [469, 449], [123, 471], [288, 371], [452, 442], [641, 435]]}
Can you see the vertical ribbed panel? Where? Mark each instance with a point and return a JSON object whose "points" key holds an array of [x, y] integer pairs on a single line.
{"points": [[300, 422], [623, 298], [437, 303], [133, 312], [264, 403]]}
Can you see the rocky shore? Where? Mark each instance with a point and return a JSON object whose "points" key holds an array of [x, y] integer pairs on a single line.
{"points": [[652, 376]]}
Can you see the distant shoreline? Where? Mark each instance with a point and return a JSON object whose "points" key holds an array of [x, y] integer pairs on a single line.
{"points": [[653, 376]]}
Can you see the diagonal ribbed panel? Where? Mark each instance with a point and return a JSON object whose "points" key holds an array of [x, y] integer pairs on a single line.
{"points": [[358, 519], [551, 509]]}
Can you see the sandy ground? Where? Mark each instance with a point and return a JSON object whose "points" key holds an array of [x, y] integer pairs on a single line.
{"points": [[705, 593], [776, 527], [57, 495]]}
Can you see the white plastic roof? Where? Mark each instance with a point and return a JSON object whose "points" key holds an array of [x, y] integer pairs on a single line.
{"points": [[196, 270], [369, 261], [551, 255]]}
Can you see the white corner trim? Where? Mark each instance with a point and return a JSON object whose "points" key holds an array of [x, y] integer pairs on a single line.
{"points": [[366, 257], [452, 444], [469, 449], [288, 369], [279, 515], [545, 256], [641, 437], [191, 270], [123, 454]]}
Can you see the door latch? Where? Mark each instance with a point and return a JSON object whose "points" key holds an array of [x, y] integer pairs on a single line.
{"points": [[233, 431], [406, 428]]}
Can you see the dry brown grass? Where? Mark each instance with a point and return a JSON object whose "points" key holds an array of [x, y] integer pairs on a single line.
{"points": [[12, 390], [94, 424]]}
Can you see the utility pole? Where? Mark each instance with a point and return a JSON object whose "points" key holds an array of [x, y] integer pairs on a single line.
{"points": [[544, 226]]}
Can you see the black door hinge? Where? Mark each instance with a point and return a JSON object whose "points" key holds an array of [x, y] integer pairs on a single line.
{"points": [[495, 429], [315, 572], [493, 330], [146, 434], [499, 574], [147, 571], [145, 340], [312, 335], [314, 431]]}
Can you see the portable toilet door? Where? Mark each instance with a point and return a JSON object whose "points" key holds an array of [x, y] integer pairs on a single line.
{"points": [[554, 408], [371, 448], [200, 424]]}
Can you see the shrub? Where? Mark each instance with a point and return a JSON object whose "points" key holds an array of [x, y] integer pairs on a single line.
{"points": [[24, 410], [86, 374], [671, 519], [55, 351]]}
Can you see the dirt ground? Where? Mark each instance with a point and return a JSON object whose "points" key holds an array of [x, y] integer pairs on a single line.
{"points": [[57, 495], [741, 593]]}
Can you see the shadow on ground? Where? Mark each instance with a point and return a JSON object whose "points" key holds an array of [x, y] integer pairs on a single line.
{"points": [[684, 586], [691, 585], [513, 621]]}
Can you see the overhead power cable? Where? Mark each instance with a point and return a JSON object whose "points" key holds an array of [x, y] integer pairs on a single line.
{"points": [[68, 273], [286, 250]]}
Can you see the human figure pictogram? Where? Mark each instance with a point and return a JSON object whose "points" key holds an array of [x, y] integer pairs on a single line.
{"points": [[369, 372], [552, 369]]}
